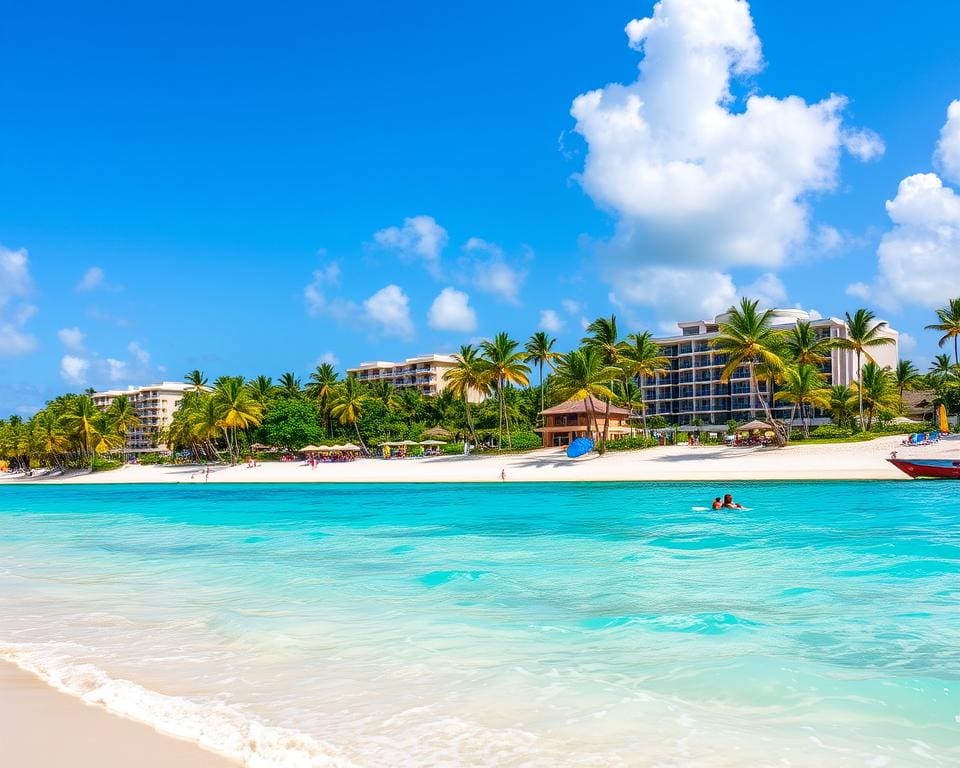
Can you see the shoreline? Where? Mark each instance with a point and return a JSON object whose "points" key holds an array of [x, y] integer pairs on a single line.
{"points": [[40, 725], [709, 463]]}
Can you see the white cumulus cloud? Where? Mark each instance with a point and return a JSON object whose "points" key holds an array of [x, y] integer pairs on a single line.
{"points": [[15, 286], [140, 354], [948, 148], [451, 311], [73, 369], [485, 266], [92, 278], [768, 289], [550, 321], [698, 183], [71, 338], [420, 237], [388, 310], [116, 369]]}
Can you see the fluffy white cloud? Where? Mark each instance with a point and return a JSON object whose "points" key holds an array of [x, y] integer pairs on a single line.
{"points": [[92, 278], [140, 354], [670, 292], [14, 275], [71, 338], [907, 342], [485, 267], [388, 310], [73, 369], [116, 369], [328, 357], [420, 237], [948, 148], [863, 144], [768, 289], [919, 258], [451, 311], [15, 286], [550, 321], [571, 307], [699, 186], [315, 291]]}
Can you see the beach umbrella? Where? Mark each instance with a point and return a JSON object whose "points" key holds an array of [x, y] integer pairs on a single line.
{"points": [[325, 448], [311, 448], [942, 418], [409, 442], [579, 447], [350, 447], [391, 444], [754, 426], [432, 442], [437, 432]]}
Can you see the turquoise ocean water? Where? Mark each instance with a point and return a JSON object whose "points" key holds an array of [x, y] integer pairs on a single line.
{"points": [[501, 625]]}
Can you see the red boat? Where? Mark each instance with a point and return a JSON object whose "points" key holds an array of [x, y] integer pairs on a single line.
{"points": [[928, 467]]}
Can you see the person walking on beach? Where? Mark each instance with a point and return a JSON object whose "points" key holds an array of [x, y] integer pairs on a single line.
{"points": [[503, 474]]}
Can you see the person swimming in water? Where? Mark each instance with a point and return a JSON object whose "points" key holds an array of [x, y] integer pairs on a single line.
{"points": [[729, 503], [717, 504]]}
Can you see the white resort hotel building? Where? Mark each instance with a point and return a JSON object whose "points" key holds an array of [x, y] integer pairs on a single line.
{"points": [[428, 373], [154, 406], [692, 389]]}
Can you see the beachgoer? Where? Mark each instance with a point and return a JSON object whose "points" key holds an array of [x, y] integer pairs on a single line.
{"points": [[729, 503], [717, 504], [503, 474]]}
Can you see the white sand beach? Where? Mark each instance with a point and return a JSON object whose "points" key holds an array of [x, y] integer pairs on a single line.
{"points": [[839, 461], [39, 726]]}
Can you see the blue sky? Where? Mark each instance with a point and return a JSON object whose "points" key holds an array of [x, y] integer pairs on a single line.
{"points": [[250, 189]]}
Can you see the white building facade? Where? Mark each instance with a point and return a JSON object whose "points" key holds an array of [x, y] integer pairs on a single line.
{"points": [[692, 389], [154, 406], [428, 373]]}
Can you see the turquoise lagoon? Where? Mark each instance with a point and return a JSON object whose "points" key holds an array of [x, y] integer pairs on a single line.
{"points": [[501, 625]]}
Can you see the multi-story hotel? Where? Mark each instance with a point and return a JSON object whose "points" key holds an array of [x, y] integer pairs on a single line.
{"points": [[426, 372], [692, 389], [154, 406]]}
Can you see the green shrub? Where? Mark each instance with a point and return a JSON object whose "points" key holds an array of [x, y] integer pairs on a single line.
{"points": [[632, 443], [524, 441], [830, 432], [452, 448]]}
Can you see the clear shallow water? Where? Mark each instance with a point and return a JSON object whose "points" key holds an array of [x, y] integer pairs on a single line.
{"points": [[526, 625]]}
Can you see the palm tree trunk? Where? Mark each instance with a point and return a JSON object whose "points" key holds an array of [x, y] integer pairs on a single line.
{"points": [[766, 409], [643, 414], [606, 429], [541, 394], [499, 415], [356, 427], [860, 388]]}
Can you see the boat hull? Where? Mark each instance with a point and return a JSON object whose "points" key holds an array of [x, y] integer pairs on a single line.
{"points": [[932, 468]]}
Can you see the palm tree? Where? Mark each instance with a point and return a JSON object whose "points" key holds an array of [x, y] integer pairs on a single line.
{"points": [[641, 357], [261, 389], [196, 379], [630, 396], [467, 376], [87, 426], [805, 346], [289, 385], [503, 364], [906, 375], [863, 333], [236, 408], [584, 375], [384, 392], [949, 326], [803, 386], [539, 349], [748, 338], [122, 417], [841, 403], [50, 434], [319, 386], [603, 336], [346, 405], [941, 367], [877, 390]]}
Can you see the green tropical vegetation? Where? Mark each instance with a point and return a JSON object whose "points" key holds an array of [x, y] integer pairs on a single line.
{"points": [[491, 403]]}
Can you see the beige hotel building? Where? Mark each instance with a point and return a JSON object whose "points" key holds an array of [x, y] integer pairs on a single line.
{"points": [[154, 406], [426, 372]]}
